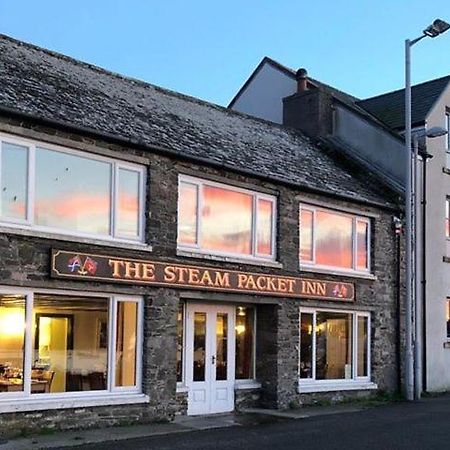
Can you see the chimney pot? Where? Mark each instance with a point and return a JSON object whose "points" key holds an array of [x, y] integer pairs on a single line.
{"points": [[302, 80]]}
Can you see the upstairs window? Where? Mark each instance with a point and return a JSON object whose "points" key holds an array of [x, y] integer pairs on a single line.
{"points": [[223, 220], [447, 218], [64, 191], [334, 240], [447, 139]]}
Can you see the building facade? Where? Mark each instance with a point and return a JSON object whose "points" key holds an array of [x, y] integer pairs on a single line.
{"points": [[370, 132], [161, 255]]}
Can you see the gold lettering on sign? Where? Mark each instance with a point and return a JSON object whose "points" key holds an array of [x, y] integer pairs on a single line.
{"points": [[116, 265], [132, 270], [222, 279], [148, 272], [169, 274]]}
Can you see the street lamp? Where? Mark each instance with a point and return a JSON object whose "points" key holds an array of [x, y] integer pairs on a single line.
{"points": [[435, 29]]}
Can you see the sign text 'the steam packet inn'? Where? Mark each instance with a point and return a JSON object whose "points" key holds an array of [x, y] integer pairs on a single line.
{"points": [[66, 264]]}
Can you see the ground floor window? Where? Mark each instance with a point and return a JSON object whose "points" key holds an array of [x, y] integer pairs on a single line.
{"points": [[334, 345], [55, 343], [447, 314]]}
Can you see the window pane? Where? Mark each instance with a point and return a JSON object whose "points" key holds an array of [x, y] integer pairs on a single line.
{"points": [[362, 346], [180, 334], [333, 346], [126, 339], [333, 240], [128, 203], [264, 227], [72, 192], [362, 260], [306, 235], [14, 181], [447, 218], [187, 213], [70, 344], [245, 335], [227, 220], [199, 346], [221, 346], [306, 345], [12, 340]]}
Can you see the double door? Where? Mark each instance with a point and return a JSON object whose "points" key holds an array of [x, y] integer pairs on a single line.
{"points": [[210, 358]]}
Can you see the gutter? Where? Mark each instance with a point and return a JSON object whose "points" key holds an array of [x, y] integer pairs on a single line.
{"points": [[167, 151]]}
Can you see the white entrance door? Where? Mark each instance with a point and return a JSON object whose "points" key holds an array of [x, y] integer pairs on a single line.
{"points": [[210, 347]]}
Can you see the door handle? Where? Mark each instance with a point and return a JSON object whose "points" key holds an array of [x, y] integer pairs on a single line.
{"points": [[213, 359]]}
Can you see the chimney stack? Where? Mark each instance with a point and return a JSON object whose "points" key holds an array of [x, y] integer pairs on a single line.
{"points": [[302, 80]]}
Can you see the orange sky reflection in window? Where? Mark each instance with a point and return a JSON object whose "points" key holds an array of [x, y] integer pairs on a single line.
{"points": [[128, 207], [187, 214], [333, 240], [306, 235], [264, 227], [361, 245], [226, 220]]}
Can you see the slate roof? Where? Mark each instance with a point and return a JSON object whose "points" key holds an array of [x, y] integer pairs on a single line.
{"points": [[44, 85], [390, 107]]}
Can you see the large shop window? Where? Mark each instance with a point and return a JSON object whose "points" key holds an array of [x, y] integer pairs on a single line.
{"points": [[334, 240], [64, 345], [334, 347], [57, 190], [223, 220]]}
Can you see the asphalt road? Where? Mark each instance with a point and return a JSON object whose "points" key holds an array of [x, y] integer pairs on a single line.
{"points": [[423, 425]]}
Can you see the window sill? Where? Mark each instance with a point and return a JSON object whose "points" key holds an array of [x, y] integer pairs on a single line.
{"points": [[181, 388], [246, 384], [39, 404], [362, 275], [230, 259], [337, 385], [73, 238]]}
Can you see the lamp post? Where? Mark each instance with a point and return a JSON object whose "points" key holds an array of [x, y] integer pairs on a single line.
{"points": [[435, 29]]}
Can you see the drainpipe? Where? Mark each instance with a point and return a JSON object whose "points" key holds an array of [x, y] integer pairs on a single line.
{"points": [[398, 343]]}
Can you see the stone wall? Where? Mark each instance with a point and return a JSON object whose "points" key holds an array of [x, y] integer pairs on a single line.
{"points": [[25, 261]]}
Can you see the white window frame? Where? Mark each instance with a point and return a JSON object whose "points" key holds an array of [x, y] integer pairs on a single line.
{"points": [[447, 216], [256, 196], [249, 380], [111, 391], [355, 219], [115, 165], [311, 384]]}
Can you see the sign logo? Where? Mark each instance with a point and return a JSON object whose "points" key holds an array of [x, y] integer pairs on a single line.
{"points": [[88, 267], [340, 290]]}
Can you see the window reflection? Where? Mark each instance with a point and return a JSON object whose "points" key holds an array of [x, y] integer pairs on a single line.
{"points": [[333, 239], [448, 318], [333, 346], [306, 235], [264, 227], [72, 192], [227, 220], [362, 259], [245, 335], [71, 344], [126, 338], [12, 340], [180, 341], [14, 181], [221, 346], [128, 205], [362, 346], [199, 346], [306, 345], [187, 213]]}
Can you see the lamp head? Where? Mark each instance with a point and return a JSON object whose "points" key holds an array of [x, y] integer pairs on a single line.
{"points": [[436, 28], [435, 132]]}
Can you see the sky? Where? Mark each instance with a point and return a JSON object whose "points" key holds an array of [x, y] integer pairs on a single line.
{"points": [[208, 49]]}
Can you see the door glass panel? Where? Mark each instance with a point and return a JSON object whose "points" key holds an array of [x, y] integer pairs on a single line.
{"points": [[71, 344], [333, 346], [180, 342], [362, 346], [221, 346], [199, 346], [245, 332], [12, 339], [306, 345], [126, 338], [14, 181]]}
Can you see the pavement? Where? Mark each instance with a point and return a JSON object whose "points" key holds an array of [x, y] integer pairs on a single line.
{"points": [[400, 425]]}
